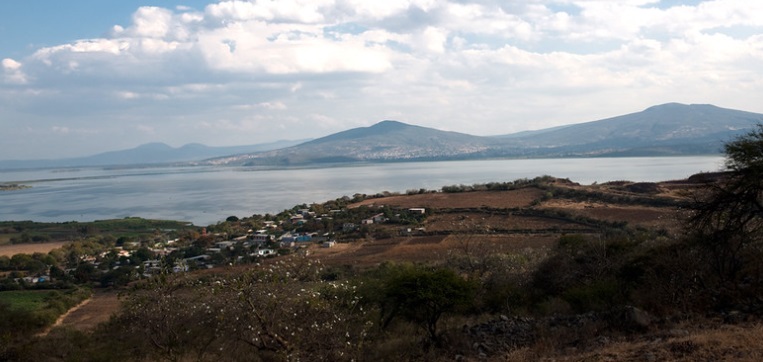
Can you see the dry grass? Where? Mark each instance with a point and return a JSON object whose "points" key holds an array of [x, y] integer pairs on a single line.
{"points": [[426, 248], [718, 343], [492, 199], [97, 310], [465, 222], [10, 250], [650, 217]]}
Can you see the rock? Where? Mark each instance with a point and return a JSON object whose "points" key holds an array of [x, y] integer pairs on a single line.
{"points": [[678, 333], [637, 317]]}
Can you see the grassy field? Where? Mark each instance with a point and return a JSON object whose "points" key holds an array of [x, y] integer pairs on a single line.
{"points": [[29, 300]]}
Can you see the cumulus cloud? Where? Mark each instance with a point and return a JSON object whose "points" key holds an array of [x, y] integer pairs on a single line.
{"points": [[12, 72], [481, 67]]}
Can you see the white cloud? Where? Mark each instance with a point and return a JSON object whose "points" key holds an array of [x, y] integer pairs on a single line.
{"points": [[151, 22], [310, 67], [12, 72], [303, 11]]}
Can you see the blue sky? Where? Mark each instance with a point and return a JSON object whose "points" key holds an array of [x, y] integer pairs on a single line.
{"points": [[87, 76]]}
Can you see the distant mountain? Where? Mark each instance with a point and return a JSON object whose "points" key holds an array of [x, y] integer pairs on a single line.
{"points": [[384, 141], [147, 154], [668, 129]]}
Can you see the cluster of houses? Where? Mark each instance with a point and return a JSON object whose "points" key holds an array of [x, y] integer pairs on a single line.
{"points": [[255, 244]]}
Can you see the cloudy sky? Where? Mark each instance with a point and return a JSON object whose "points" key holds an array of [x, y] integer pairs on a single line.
{"points": [[87, 76]]}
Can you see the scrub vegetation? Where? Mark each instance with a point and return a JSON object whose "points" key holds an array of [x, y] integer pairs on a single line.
{"points": [[534, 269]]}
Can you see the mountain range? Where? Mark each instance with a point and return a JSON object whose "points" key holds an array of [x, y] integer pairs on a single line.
{"points": [[663, 130], [149, 153]]}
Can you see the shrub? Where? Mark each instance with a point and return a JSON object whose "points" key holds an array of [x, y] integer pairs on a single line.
{"points": [[421, 295]]}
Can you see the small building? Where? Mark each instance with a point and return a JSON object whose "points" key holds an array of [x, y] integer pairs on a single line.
{"points": [[418, 210], [264, 252], [262, 238], [378, 218], [224, 244]]}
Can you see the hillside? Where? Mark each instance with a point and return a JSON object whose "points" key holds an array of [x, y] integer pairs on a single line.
{"points": [[384, 141], [554, 270], [147, 154], [664, 130]]}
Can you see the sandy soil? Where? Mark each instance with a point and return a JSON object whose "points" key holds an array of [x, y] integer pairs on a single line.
{"points": [[10, 250]]}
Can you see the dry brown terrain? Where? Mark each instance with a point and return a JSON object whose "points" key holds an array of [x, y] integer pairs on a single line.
{"points": [[425, 248], [502, 220], [477, 199], [695, 343], [519, 221], [10, 250], [98, 309]]}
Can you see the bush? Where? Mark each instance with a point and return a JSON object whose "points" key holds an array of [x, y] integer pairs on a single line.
{"points": [[421, 295]]}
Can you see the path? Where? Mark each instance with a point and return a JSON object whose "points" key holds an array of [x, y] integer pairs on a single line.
{"points": [[88, 314]]}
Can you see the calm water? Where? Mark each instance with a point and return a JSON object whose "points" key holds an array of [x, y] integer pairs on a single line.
{"points": [[207, 195]]}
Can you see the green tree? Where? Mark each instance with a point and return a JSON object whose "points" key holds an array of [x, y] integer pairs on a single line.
{"points": [[422, 295]]}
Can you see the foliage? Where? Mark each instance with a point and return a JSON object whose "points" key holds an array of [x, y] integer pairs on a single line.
{"points": [[28, 231], [420, 294], [28, 300], [728, 222], [275, 311], [584, 272], [25, 312], [500, 186]]}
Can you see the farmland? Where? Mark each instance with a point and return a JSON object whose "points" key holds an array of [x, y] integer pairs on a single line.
{"points": [[12, 249], [534, 260]]}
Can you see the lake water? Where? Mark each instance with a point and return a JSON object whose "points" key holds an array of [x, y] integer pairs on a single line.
{"points": [[207, 195]]}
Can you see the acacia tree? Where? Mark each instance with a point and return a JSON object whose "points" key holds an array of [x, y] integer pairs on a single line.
{"points": [[728, 219], [421, 295]]}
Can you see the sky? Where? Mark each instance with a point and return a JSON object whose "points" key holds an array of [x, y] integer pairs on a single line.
{"points": [[82, 77]]}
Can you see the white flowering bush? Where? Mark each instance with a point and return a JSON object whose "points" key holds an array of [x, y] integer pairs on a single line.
{"points": [[281, 310]]}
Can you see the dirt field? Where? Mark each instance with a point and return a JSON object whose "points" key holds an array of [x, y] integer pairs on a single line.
{"points": [[507, 220], [426, 248], [463, 222], [492, 199], [98, 309], [10, 250], [650, 217]]}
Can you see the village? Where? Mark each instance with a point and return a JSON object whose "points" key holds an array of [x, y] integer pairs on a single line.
{"points": [[116, 260]]}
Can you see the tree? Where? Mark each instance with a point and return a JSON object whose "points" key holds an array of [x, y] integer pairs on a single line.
{"points": [[422, 295], [727, 223]]}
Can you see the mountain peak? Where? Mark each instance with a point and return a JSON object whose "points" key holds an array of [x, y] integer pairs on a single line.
{"points": [[390, 122], [389, 125], [153, 146], [677, 106]]}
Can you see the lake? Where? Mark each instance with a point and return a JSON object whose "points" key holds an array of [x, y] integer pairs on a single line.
{"points": [[207, 195]]}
